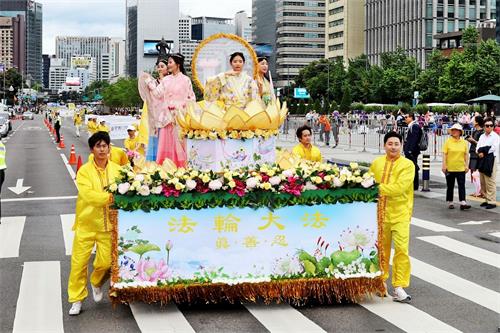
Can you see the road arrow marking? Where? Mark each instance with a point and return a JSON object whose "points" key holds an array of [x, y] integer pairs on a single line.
{"points": [[475, 222], [19, 188]]}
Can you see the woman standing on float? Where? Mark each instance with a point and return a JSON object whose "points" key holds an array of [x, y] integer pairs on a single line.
{"points": [[165, 98], [264, 81]]}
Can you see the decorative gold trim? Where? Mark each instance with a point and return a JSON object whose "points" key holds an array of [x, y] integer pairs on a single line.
{"points": [[212, 38], [115, 270]]}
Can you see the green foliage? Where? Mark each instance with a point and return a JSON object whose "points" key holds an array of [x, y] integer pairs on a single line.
{"points": [[357, 106], [301, 109], [421, 108], [372, 108], [123, 93], [12, 78], [346, 101]]}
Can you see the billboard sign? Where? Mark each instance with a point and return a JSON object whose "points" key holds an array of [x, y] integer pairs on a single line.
{"points": [[150, 47], [301, 93]]}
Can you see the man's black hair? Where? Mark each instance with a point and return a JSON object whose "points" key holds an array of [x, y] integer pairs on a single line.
{"points": [[411, 115], [98, 137], [302, 129], [393, 134]]}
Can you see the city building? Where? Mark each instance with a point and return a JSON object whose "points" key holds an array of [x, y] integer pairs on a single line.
{"points": [[452, 41], [45, 71], [147, 22], [300, 37], [103, 49], [117, 51], [345, 29], [184, 28], [411, 25], [57, 74], [203, 27], [32, 39], [187, 48], [243, 25], [264, 28], [88, 64]]}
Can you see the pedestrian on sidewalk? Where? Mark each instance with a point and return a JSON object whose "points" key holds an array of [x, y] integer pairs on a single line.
{"points": [[325, 129], [487, 149], [57, 126], [92, 223], [478, 122], [394, 174], [455, 165], [335, 130], [3, 168], [411, 146], [305, 149]]}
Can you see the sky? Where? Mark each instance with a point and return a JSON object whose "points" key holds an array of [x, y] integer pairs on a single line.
{"points": [[107, 17]]}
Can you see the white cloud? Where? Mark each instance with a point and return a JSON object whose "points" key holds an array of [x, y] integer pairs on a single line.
{"points": [[107, 17]]}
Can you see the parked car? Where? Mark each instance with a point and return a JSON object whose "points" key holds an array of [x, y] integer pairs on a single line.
{"points": [[5, 125], [28, 115]]}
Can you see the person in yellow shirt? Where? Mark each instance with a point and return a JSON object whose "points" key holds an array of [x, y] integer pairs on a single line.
{"points": [[455, 165], [92, 125], [92, 225], [132, 142], [305, 149], [394, 174], [77, 121], [102, 127], [118, 156]]}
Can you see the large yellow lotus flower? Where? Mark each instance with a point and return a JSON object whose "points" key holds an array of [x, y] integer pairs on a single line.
{"points": [[286, 159], [213, 116]]}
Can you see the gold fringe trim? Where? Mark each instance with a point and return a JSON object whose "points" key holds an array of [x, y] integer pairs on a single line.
{"points": [[297, 292], [115, 270], [245, 44]]}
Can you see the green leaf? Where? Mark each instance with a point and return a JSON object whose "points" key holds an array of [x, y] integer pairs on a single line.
{"points": [[142, 249]]}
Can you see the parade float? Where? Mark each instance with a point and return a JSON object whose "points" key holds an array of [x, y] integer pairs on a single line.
{"points": [[244, 221]]}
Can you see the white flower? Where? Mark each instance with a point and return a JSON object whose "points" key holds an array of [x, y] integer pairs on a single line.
{"points": [[275, 180], [288, 173], [215, 185], [157, 189], [310, 186], [139, 177], [251, 182], [367, 183], [113, 187], [123, 188], [345, 172], [354, 165], [190, 184], [144, 190], [337, 182]]}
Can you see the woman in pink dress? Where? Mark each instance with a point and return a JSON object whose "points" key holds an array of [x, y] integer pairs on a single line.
{"points": [[168, 97]]}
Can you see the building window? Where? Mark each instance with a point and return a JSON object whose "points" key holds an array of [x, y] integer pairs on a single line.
{"points": [[461, 25], [336, 23], [335, 47], [461, 12], [439, 26], [336, 10], [472, 12], [428, 26], [336, 35], [428, 11], [451, 11], [451, 25], [439, 12]]}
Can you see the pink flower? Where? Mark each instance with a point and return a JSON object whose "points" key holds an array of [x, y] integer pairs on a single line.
{"points": [[126, 273], [149, 270], [293, 186], [169, 191]]}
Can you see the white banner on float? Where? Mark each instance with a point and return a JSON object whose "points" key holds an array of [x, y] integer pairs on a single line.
{"points": [[117, 125]]}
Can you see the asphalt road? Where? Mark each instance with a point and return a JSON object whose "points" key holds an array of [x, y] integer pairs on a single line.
{"points": [[455, 278]]}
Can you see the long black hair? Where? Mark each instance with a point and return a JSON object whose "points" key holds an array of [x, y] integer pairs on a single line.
{"points": [[179, 60], [259, 60]]}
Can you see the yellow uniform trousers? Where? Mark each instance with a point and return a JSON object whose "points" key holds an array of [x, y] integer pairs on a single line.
{"points": [[399, 234], [83, 244]]}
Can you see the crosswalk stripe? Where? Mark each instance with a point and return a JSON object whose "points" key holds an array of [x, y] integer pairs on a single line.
{"points": [[464, 249], [436, 227], [39, 305], [282, 318], [495, 234], [71, 172], [11, 231], [455, 284], [67, 221], [166, 319], [406, 317]]}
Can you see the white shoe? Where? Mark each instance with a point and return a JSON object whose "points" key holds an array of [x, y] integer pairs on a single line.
{"points": [[97, 293], [400, 295], [76, 308]]}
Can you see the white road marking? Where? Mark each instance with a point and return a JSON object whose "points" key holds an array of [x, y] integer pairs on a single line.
{"points": [[436, 227], [70, 197], [19, 188], [406, 317], [282, 318], [455, 284], [11, 231], [475, 222], [153, 318], [464, 249], [39, 305], [495, 234], [67, 221], [72, 173]]}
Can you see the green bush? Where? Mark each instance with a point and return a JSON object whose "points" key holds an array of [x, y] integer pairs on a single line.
{"points": [[373, 108], [391, 108], [421, 108], [357, 106]]}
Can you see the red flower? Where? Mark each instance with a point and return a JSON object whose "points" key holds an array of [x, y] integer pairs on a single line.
{"points": [[239, 189], [169, 191], [265, 178], [201, 187], [294, 186]]}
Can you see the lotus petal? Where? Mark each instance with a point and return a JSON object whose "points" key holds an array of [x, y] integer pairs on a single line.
{"points": [[233, 112], [209, 122], [261, 121]]}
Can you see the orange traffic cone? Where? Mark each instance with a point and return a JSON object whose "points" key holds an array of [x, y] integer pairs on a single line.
{"points": [[72, 156], [79, 164], [61, 142]]}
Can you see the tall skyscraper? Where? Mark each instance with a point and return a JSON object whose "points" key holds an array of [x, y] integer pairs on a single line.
{"points": [[264, 28], [12, 42], [300, 37], [243, 25], [32, 13], [45, 71], [147, 22], [412, 24], [203, 27], [345, 29], [184, 28]]}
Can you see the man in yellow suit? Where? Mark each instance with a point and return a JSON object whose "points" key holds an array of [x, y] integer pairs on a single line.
{"points": [[92, 125], [77, 120], [305, 149], [102, 127], [132, 142], [394, 174], [92, 225]]}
